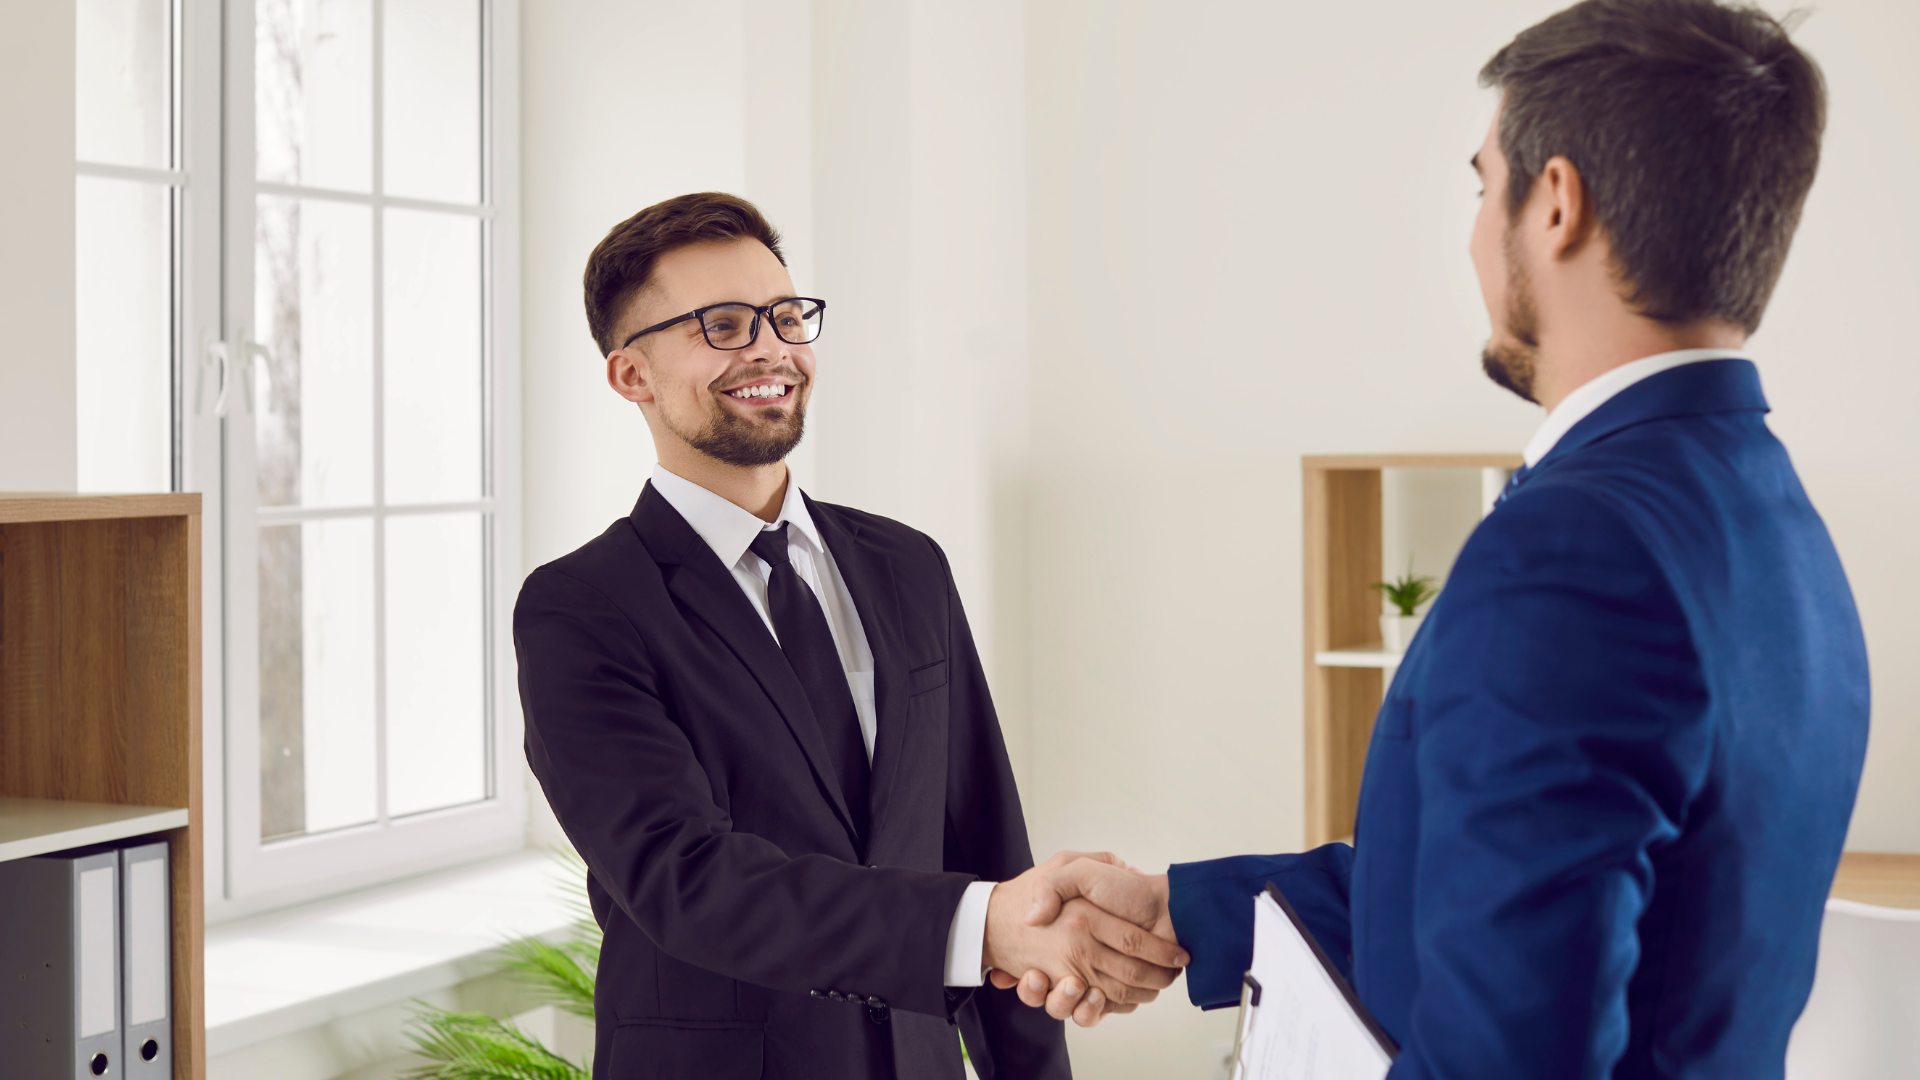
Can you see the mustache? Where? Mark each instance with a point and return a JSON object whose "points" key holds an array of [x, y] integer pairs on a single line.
{"points": [[746, 375]]}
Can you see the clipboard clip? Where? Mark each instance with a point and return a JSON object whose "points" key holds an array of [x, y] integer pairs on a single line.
{"points": [[1249, 1001]]}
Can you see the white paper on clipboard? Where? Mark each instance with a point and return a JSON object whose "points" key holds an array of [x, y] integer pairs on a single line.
{"points": [[1299, 1020]]}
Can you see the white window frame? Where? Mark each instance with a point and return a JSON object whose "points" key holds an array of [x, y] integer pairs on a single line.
{"points": [[185, 213], [245, 875]]}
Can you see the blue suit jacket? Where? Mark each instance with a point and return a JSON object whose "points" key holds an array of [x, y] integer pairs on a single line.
{"points": [[1608, 787]]}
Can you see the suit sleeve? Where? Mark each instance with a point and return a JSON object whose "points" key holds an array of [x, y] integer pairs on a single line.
{"points": [[987, 839], [1561, 736], [624, 782], [1212, 907]]}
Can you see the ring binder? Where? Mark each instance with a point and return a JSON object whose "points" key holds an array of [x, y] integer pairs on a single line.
{"points": [[145, 987], [59, 965]]}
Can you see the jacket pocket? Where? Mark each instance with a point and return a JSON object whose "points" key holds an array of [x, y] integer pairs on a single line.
{"points": [[689, 1049], [929, 677]]}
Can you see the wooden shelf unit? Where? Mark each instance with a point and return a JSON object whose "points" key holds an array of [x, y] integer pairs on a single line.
{"points": [[1343, 549], [1881, 879], [100, 697]]}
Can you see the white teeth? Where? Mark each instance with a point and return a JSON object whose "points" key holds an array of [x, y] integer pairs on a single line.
{"points": [[761, 391]]}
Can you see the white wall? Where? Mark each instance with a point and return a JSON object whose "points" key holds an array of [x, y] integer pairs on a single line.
{"points": [[622, 105], [37, 390], [1842, 368], [920, 196]]}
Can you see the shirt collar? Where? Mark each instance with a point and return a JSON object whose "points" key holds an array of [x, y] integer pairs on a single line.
{"points": [[1580, 404], [726, 528]]}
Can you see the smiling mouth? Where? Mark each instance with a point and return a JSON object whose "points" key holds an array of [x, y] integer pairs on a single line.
{"points": [[761, 392]]}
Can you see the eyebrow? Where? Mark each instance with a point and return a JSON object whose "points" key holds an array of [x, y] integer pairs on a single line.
{"points": [[770, 303]]}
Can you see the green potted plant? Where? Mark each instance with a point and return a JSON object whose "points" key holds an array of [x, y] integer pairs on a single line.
{"points": [[1406, 594]]}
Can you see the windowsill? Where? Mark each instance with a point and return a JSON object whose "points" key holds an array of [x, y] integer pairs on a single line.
{"points": [[271, 975]]}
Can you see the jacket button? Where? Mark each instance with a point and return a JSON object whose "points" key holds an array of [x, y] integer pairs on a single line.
{"points": [[878, 1014]]}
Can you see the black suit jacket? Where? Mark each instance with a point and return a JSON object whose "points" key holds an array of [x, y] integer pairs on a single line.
{"points": [[749, 931]]}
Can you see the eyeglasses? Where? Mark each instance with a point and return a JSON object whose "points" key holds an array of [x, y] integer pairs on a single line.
{"points": [[732, 326]]}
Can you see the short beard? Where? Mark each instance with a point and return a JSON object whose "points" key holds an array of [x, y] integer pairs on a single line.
{"points": [[1512, 364], [738, 441]]}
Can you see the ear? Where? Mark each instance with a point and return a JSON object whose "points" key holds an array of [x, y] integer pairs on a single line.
{"points": [[1568, 213], [630, 375]]}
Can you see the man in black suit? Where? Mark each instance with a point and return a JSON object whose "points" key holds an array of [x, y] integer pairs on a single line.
{"points": [[763, 722]]}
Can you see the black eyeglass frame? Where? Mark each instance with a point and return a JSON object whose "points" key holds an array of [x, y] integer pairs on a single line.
{"points": [[753, 333]]}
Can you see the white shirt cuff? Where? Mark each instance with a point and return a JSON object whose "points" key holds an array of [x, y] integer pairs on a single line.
{"points": [[967, 937]]}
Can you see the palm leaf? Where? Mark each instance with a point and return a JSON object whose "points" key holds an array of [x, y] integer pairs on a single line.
{"points": [[555, 972], [475, 1046]]}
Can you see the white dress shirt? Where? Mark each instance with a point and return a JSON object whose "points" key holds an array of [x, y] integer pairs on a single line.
{"points": [[1597, 391], [730, 532]]}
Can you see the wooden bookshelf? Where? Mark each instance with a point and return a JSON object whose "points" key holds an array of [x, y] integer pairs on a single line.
{"points": [[1345, 665], [100, 698], [1882, 879]]}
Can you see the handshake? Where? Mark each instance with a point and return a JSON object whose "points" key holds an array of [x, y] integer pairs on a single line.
{"points": [[1083, 935]]}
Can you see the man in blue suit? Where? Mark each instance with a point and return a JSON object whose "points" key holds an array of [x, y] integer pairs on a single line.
{"points": [[1609, 785]]}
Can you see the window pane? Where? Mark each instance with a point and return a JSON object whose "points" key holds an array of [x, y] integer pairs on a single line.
{"points": [[436, 663], [432, 363], [316, 676], [122, 85], [431, 68], [313, 393], [313, 92], [123, 297], [283, 756]]}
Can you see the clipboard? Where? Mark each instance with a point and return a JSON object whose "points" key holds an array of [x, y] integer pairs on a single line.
{"points": [[1305, 1023]]}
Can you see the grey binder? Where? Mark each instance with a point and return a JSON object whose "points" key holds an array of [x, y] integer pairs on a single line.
{"points": [[60, 965], [146, 938]]}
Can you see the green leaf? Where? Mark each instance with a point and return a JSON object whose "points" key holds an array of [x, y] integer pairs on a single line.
{"points": [[555, 972], [1407, 593], [475, 1046]]}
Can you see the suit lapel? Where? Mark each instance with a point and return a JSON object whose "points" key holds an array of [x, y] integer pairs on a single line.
{"points": [[869, 577], [697, 579]]}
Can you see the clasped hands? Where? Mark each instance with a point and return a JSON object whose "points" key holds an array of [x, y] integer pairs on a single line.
{"points": [[1089, 935]]}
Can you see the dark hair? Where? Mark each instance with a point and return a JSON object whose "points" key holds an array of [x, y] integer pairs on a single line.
{"points": [[1696, 128], [623, 262]]}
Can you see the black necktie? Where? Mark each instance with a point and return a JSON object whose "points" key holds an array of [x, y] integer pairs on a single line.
{"points": [[805, 637]]}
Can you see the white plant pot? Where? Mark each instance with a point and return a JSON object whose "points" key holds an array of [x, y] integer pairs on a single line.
{"points": [[1396, 631]]}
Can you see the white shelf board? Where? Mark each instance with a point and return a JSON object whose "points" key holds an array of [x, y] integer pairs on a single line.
{"points": [[1374, 658], [31, 827]]}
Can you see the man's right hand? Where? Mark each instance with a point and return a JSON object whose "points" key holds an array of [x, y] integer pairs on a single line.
{"points": [[1111, 886], [1121, 964]]}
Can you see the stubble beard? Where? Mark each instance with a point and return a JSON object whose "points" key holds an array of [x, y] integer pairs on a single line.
{"points": [[746, 442], [1512, 364]]}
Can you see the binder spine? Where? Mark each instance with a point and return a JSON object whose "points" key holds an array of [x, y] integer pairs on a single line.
{"points": [[96, 947], [59, 966], [146, 975]]}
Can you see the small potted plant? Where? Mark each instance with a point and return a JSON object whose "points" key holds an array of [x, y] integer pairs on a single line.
{"points": [[1406, 594]]}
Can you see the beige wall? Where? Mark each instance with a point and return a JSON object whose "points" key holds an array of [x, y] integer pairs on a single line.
{"points": [[37, 392], [920, 203]]}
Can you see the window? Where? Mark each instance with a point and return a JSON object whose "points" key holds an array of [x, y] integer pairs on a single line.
{"points": [[127, 211], [366, 526], [296, 285]]}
